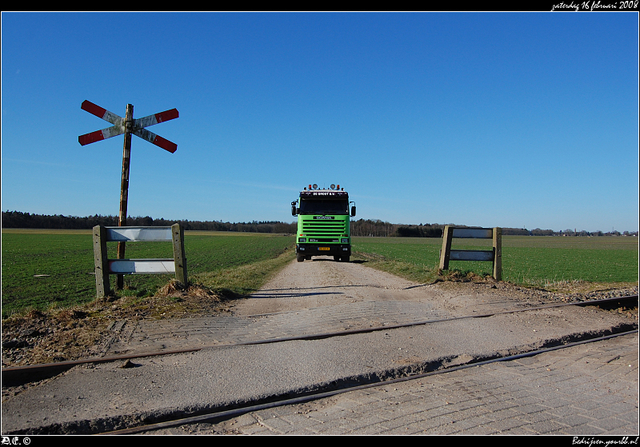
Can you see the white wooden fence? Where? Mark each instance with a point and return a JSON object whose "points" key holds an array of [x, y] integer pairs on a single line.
{"points": [[104, 266], [494, 255]]}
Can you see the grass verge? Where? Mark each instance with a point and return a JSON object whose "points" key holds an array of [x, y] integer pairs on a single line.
{"points": [[557, 264], [245, 279]]}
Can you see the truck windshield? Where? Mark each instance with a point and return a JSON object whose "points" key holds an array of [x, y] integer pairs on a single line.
{"points": [[324, 207]]}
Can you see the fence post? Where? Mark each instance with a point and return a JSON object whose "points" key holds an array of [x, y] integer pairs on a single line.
{"points": [[179, 258], [101, 261], [497, 254], [446, 248]]}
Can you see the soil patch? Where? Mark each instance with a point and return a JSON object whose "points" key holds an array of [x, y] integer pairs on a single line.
{"points": [[81, 332]]}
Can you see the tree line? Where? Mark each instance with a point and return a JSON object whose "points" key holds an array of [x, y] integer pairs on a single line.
{"points": [[17, 219], [378, 228], [361, 227]]}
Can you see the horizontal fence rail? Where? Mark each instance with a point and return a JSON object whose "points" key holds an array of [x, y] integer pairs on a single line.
{"points": [[105, 266], [137, 266], [133, 234]]}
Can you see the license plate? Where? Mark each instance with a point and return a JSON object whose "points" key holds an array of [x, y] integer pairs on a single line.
{"points": [[324, 248]]}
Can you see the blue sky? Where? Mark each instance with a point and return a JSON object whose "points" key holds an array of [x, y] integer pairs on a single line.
{"points": [[489, 119]]}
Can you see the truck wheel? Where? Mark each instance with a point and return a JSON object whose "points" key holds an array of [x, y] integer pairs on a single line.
{"points": [[300, 258]]}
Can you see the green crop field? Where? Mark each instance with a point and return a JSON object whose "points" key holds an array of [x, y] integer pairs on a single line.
{"points": [[54, 268], [529, 261], [49, 268]]}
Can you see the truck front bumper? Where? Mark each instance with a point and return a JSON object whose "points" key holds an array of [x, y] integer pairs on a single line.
{"points": [[323, 249]]}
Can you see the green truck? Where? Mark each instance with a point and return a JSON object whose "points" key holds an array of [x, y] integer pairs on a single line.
{"points": [[323, 223]]}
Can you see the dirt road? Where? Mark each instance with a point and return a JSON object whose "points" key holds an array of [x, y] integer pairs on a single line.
{"points": [[323, 282]]}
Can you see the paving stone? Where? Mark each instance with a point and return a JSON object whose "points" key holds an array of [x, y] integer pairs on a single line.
{"points": [[492, 399]]}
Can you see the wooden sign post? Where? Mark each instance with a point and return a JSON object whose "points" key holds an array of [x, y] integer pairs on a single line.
{"points": [[127, 126], [124, 184]]}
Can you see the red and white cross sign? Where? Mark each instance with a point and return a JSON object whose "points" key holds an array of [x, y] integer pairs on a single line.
{"points": [[119, 126]]}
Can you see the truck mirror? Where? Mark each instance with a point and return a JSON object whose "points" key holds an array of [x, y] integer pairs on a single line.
{"points": [[294, 210], [353, 211]]}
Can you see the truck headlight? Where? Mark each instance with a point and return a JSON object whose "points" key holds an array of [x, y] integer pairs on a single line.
{"points": [[345, 241]]}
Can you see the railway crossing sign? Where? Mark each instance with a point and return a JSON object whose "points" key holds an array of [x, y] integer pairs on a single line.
{"points": [[121, 126], [127, 126]]}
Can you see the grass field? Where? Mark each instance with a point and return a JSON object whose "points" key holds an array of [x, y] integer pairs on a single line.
{"points": [[44, 269], [530, 261]]}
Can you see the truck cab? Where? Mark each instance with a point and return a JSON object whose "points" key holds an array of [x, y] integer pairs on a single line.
{"points": [[323, 223]]}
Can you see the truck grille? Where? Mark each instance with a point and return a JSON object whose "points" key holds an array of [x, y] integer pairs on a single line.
{"points": [[323, 229]]}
